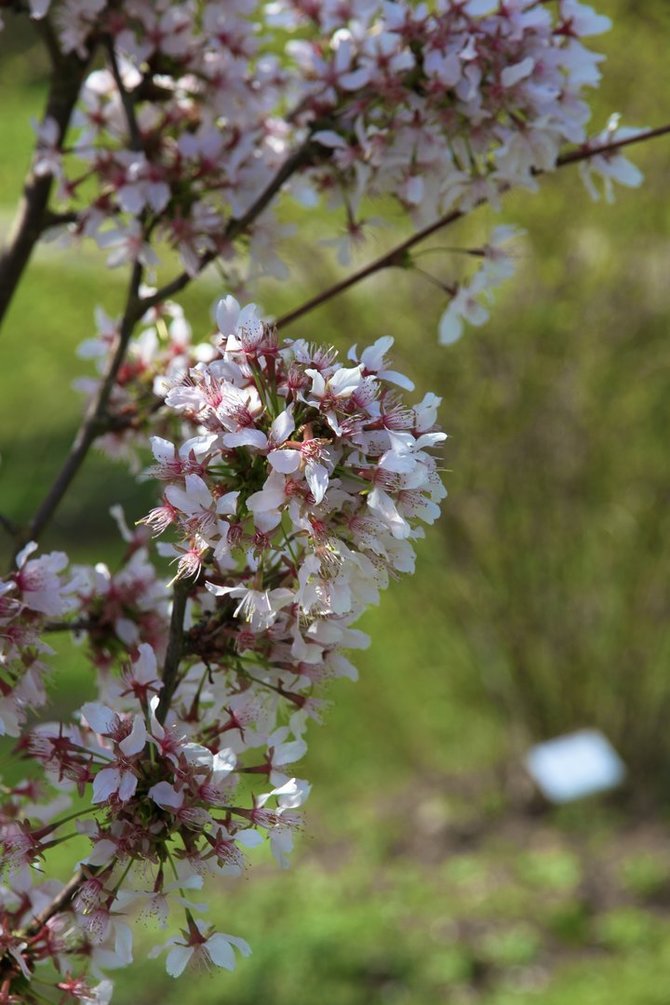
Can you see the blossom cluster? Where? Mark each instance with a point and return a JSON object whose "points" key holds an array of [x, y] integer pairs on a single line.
{"points": [[120, 610], [205, 107], [293, 495], [37, 591], [162, 351], [448, 104]]}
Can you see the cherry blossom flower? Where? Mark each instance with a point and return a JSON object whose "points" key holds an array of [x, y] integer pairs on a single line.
{"points": [[201, 946]]}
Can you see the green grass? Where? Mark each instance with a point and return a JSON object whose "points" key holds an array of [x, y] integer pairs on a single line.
{"points": [[428, 922]]}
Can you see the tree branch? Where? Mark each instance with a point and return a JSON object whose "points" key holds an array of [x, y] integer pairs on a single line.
{"points": [[126, 98], [85, 625], [60, 902], [235, 227], [175, 648], [398, 257], [136, 307], [94, 421], [67, 77], [8, 525], [586, 151], [50, 218]]}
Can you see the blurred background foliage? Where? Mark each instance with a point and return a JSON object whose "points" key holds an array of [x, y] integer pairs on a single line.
{"points": [[428, 872]]}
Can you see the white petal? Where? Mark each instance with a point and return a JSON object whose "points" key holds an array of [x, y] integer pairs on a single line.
{"points": [[197, 489], [284, 461], [105, 783], [511, 75], [288, 753], [372, 357], [24, 553], [220, 951], [180, 499], [127, 786], [127, 631], [136, 739], [241, 944], [246, 438], [99, 717], [196, 754], [177, 959], [227, 504], [249, 838], [393, 377], [224, 762], [355, 80], [317, 479], [145, 666], [218, 591], [271, 496], [329, 138], [227, 314], [162, 449], [123, 943], [165, 796], [450, 327], [103, 851], [382, 503], [282, 427]]}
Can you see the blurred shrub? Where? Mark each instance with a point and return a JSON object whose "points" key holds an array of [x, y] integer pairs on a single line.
{"points": [[556, 532]]}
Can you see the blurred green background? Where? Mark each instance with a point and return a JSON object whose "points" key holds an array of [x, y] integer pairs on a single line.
{"points": [[428, 870]]}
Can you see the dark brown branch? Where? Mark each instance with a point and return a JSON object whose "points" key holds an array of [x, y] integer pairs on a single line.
{"points": [[235, 227], [8, 525], [85, 625], [587, 151], [50, 218], [126, 98], [59, 903], [398, 256], [94, 421], [67, 76], [175, 647]]}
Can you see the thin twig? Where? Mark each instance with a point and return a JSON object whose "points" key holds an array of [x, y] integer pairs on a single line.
{"points": [[398, 256], [585, 152], [51, 218], [83, 625], [8, 525], [60, 902], [29, 223], [126, 98], [94, 421], [175, 647], [236, 226]]}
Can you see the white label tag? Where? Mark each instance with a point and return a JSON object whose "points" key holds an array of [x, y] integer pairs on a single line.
{"points": [[578, 764]]}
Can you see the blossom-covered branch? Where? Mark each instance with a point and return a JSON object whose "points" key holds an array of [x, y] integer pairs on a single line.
{"points": [[598, 151], [94, 423], [69, 71], [295, 490]]}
